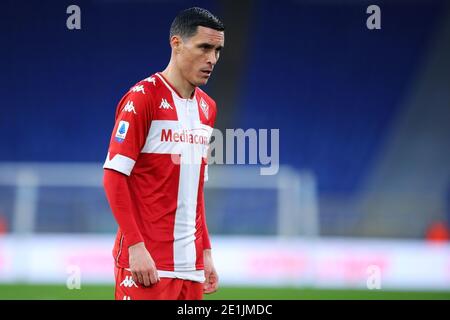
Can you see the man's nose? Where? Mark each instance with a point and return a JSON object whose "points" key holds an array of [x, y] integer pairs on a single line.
{"points": [[212, 58]]}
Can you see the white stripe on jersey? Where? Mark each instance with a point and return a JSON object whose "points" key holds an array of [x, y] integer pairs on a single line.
{"points": [[197, 275], [184, 251], [119, 163], [165, 129]]}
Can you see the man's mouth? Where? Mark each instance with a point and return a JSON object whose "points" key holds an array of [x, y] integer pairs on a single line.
{"points": [[206, 72]]}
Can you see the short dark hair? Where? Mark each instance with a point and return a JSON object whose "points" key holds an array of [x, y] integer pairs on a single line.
{"points": [[186, 22]]}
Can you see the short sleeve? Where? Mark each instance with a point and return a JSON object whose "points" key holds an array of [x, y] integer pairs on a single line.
{"points": [[133, 119]]}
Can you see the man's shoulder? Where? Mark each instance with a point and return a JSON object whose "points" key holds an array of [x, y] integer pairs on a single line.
{"points": [[143, 94], [154, 86], [148, 86]]}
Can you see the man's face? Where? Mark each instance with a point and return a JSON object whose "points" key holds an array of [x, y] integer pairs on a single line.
{"points": [[198, 55]]}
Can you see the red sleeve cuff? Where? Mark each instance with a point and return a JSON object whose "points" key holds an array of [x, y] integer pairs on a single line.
{"points": [[132, 238], [206, 241]]}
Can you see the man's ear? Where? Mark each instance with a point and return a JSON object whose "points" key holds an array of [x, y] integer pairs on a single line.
{"points": [[176, 43]]}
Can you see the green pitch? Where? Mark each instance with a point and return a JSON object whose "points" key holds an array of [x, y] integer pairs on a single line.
{"points": [[105, 292]]}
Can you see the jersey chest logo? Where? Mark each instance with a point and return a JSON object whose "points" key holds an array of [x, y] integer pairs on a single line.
{"points": [[205, 108]]}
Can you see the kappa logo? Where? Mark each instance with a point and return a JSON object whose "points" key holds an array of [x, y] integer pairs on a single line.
{"points": [[151, 79], [129, 107], [126, 298], [205, 108], [128, 282], [138, 88], [165, 105]]}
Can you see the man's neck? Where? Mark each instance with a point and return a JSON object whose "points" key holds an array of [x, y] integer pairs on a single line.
{"points": [[181, 85]]}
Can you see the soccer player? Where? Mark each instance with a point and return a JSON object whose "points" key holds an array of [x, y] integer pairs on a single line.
{"points": [[156, 167]]}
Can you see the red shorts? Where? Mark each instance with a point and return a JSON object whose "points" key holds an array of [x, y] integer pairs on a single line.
{"points": [[165, 289]]}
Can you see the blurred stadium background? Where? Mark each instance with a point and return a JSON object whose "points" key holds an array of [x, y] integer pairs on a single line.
{"points": [[363, 194]]}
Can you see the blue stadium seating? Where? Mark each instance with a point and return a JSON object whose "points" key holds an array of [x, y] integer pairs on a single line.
{"points": [[315, 71]]}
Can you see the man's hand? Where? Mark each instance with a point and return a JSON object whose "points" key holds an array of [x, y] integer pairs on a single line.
{"points": [[142, 266], [212, 279]]}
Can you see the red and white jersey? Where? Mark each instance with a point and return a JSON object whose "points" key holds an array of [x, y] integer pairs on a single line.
{"points": [[160, 141]]}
